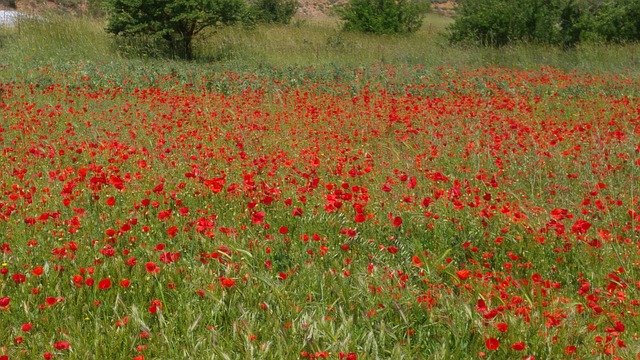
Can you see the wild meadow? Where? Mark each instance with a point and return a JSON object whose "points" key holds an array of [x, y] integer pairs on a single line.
{"points": [[405, 200]]}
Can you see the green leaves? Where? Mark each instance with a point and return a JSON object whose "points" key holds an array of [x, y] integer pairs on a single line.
{"points": [[556, 22], [382, 16], [168, 28], [274, 11]]}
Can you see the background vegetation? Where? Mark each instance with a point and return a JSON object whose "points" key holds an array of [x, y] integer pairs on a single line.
{"points": [[556, 22], [65, 39], [382, 16]]}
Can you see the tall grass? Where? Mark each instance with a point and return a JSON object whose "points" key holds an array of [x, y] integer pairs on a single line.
{"points": [[56, 38], [306, 42]]}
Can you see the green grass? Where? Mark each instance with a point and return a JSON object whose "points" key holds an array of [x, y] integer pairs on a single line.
{"points": [[56, 39], [271, 100], [306, 42]]}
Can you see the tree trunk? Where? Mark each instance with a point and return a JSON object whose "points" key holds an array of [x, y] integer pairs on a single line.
{"points": [[185, 48]]}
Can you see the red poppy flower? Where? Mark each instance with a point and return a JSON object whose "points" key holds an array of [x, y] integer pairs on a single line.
{"points": [[492, 344], [104, 284], [61, 345], [227, 282], [349, 356], [155, 306], [463, 274], [111, 201], [4, 302], [169, 257], [416, 260], [580, 227], [257, 217], [151, 267], [158, 188], [37, 271], [50, 300], [19, 278], [518, 346], [172, 231]]}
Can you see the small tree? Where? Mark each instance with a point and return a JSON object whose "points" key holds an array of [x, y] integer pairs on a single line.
{"points": [[382, 16], [171, 23], [274, 11]]}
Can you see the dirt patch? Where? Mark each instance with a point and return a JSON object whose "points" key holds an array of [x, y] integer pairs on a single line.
{"points": [[318, 8], [446, 8]]}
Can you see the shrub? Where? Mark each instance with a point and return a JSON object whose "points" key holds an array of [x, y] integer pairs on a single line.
{"points": [[382, 16], [274, 11], [614, 21], [557, 22], [499, 22], [168, 27]]}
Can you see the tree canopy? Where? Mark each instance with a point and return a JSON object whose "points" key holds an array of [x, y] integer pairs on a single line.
{"points": [[171, 25]]}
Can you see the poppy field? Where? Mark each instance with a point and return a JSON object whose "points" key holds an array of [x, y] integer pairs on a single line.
{"points": [[310, 213]]}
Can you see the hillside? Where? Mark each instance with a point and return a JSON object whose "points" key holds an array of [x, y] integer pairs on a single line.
{"points": [[308, 8]]}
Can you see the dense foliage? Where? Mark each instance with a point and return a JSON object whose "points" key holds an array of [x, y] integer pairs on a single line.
{"points": [[556, 22], [274, 11], [382, 16], [168, 27]]}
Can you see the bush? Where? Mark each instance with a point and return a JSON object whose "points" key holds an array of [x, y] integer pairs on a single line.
{"points": [[615, 21], [168, 27], [557, 22], [500, 22], [274, 11], [382, 16]]}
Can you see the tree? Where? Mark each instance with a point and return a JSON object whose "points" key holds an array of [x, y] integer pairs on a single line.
{"points": [[382, 16], [173, 24]]}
